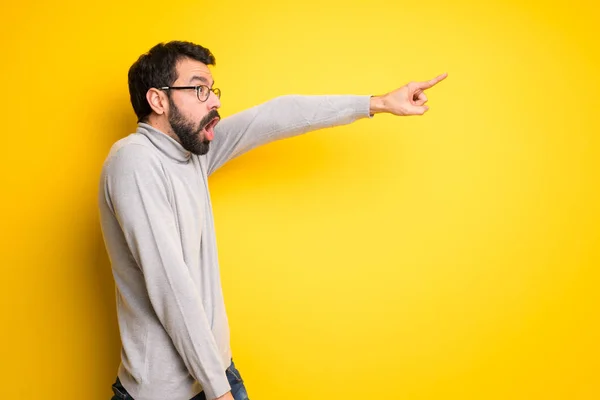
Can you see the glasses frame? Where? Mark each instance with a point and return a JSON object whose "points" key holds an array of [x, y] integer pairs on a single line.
{"points": [[197, 88]]}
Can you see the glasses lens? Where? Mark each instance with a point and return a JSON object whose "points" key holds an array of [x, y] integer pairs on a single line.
{"points": [[217, 92], [203, 92]]}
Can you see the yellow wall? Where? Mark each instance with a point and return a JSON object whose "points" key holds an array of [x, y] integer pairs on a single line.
{"points": [[450, 256]]}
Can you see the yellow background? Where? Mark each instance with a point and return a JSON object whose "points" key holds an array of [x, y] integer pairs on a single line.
{"points": [[449, 256]]}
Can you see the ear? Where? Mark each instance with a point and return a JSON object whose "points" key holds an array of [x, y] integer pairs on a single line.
{"points": [[158, 100]]}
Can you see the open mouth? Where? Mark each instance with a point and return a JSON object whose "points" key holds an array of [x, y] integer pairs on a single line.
{"points": [[209, 129]]}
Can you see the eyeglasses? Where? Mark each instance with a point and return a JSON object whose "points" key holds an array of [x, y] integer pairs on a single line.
{"points": [[202, 91]]}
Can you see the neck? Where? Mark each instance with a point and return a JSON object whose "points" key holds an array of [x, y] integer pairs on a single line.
{"points": [[163, 125]]}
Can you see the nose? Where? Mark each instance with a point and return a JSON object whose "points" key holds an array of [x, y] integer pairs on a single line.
{"points": [[213, 101]]}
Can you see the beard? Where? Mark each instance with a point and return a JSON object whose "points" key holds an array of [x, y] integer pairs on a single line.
{"points": [[189, 134]]}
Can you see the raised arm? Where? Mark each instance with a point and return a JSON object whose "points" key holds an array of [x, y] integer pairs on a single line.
{"points": [[292, 115], [280, 118]]}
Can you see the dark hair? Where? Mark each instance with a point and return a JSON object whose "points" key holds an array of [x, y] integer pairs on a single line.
{"points": [[157, 68]]}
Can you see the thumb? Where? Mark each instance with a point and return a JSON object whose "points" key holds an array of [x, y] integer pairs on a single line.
{"points": [[418, 110]]}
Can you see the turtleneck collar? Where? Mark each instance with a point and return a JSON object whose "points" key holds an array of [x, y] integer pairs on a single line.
{"points": [[163, 142]]}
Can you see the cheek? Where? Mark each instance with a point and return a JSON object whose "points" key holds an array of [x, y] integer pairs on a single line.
{"points": [[192, 112], [195, 111]]}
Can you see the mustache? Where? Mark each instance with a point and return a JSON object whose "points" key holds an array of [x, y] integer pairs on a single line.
{"points": [[212, 114]]}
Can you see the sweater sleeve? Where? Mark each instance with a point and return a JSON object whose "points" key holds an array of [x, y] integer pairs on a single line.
{"points": [[280, 118], [137, 191]]}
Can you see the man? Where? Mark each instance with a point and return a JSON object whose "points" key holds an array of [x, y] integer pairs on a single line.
{"points": [[157, 220]]}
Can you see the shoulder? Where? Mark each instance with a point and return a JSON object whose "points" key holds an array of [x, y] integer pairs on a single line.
{"points": [[133, 161], [133, 152]]}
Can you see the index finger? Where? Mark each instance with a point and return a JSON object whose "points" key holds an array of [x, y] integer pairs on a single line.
{"points": [[432, 82]]}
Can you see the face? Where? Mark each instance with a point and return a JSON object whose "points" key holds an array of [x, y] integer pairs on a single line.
{"points": [[191, 120]]}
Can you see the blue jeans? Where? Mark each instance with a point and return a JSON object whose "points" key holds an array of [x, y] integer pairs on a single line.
{"points": [[238, 390]]}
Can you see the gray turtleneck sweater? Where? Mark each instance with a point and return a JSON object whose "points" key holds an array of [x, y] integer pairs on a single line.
{"points": [[157, 223]]}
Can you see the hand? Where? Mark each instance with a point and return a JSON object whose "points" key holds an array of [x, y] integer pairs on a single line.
{"points": [[410, 99], [226, 396]]}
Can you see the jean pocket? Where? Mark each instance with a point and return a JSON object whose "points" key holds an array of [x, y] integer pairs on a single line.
{"points": [[120, 392], [233, 375]]}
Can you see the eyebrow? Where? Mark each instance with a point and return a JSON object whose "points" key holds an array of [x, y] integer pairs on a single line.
{"points": [[200, 78]]}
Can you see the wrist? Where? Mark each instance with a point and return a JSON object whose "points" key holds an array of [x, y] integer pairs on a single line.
{"points": [[377, 105]]}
